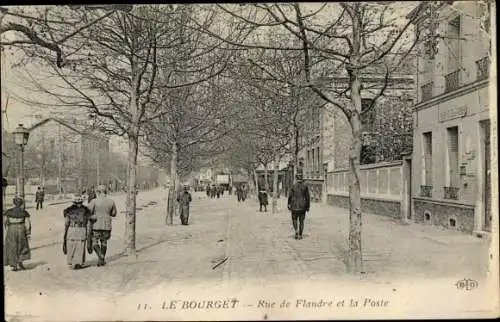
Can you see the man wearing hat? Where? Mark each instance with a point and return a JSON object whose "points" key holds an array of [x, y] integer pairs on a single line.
{"points": [[77, 231], [184, 199], [298, 204], [102, 209]]}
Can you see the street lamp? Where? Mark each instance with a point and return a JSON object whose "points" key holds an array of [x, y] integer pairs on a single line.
{"points": [[21, 135]]}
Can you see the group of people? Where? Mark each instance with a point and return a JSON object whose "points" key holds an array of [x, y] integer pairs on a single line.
{"points": [[241, 192], [299, 202], [215, 191], [87, 228]]}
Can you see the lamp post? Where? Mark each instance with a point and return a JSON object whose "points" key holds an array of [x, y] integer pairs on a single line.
{"points": [[21, 135]]}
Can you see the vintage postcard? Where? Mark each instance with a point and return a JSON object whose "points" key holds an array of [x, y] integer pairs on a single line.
{"points": [[250, 161]]}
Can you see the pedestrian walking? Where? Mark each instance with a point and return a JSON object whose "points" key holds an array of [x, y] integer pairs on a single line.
{"points": [[77, 233], [208, 191], [17, 226], [39, 196], [263, 202], [102, 209], [298, 204], [184, 199], [245, 193], [218, 189], [239, 193]]}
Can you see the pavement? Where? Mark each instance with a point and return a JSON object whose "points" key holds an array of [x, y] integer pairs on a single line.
{"points": [[231, 244]]}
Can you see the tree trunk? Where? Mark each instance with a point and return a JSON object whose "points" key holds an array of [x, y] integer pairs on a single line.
{"points": [[131, 196], [172, 191], [275, 185], [355, 261], [266, 178], [256, 183]]}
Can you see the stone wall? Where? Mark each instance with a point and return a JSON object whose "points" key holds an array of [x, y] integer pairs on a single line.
{"points": [[440, 214], [373, 206]]}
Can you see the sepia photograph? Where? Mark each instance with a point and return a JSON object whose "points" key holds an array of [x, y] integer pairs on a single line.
{"points": [[250, 161]]}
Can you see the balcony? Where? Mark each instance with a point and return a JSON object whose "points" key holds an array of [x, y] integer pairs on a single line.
{"points": [[426, 191], [451, 81], [427, 91], [451, 193], [483, 68]]}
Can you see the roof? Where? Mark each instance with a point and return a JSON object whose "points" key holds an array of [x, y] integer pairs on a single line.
{"points": [[65, 124]]}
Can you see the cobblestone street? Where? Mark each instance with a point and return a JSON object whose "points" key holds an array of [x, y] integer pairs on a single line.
{"points": [[259, 246]]}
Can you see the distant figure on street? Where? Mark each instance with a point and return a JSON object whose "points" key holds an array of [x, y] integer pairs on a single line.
{"points": [[230, 190], [213, 191], [208, 190], [298, 204], [39, 196], [102, 209], [91, 194], [245, 193], [263, 200], [184, 199], [18, 230], [218, 190], [239, 193], [77, 233]]}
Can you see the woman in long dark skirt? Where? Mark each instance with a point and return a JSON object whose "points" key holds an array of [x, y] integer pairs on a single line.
{"points": [[17, 231]]}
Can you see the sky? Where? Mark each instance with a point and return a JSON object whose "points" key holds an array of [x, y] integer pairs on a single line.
{"points": [[14, 79]]}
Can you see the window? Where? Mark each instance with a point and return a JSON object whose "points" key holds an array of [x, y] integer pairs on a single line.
{"points": [[427, 140], [313, 163], [368, 118], [453, 44], [453, 171], [318, 165], [308, 165]]}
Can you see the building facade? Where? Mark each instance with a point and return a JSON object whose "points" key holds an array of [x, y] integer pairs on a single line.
{"points": [[386, 129], [451, 162], [65, 159]]}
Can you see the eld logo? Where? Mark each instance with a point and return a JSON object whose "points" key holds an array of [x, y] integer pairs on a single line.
{"points": [[467, 284]]}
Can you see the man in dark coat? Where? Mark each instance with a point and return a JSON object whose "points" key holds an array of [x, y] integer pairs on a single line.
{"points": [[298, 204], [184, 199], [39, 196], [263, 200], [239, 192]]}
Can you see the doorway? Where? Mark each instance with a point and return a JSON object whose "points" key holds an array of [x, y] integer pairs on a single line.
{"points": [[485, 134]]}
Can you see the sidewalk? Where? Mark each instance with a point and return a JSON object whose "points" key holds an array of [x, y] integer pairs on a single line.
{"points": [[261, 246]]}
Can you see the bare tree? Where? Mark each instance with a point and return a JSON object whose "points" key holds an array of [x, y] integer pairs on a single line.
{"points": [[343, 38], [50, 28]]}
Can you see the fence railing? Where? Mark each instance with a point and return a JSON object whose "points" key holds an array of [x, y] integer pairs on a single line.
{"points": [[426, 191], [452, 81], [427, 91], [451, 193], [483, 68], [383, 180]]}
